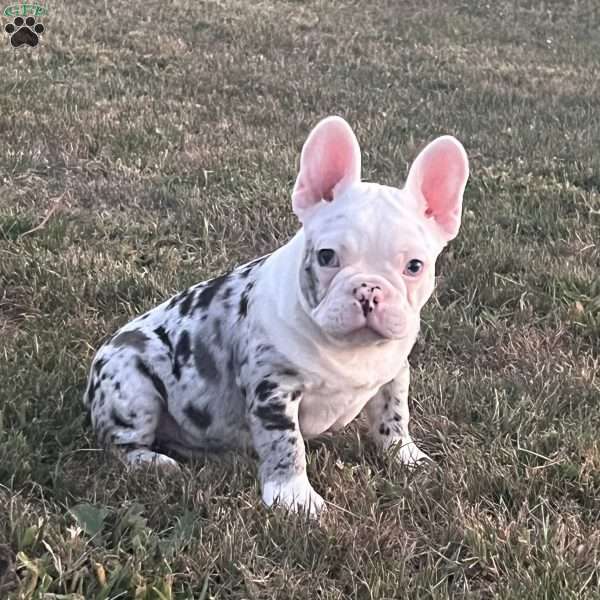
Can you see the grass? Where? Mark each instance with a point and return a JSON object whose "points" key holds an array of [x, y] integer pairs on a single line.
{"points": [[164, 138]]}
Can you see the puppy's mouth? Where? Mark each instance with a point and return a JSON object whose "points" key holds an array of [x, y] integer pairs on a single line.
{"points": [[365, 336], [368, 336], [361, 323]]}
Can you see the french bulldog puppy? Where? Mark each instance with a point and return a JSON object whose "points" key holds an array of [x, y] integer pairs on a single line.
{"points": [[296, 343]]}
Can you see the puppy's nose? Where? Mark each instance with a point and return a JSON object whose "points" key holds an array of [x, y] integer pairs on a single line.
{"points": [[369, 296]]}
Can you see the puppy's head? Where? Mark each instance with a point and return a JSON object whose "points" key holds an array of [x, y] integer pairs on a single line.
{"points": [[370, 250]]}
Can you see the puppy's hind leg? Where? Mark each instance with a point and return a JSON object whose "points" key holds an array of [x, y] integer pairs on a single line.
{"points": [[125, 410]]}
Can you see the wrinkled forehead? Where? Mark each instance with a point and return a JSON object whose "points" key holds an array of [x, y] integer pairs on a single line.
{"points": [[374, 217]]}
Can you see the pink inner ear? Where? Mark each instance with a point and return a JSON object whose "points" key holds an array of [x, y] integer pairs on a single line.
{"points": [[440, 173], [441, 186], [333, 169], [330, 156]]}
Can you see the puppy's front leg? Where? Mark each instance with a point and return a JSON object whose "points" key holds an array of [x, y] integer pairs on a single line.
{"points": [[388, 417], [273, 419]]}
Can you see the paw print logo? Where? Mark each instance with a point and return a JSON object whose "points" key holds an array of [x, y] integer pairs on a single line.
{"points": [[24, 31]]}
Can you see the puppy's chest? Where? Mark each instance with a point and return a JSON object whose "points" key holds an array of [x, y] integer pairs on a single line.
{"points": [[332, 405], [336, 391]]}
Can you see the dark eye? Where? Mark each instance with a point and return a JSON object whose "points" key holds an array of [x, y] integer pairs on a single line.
{"points": [[414, 267], [327, 258]]}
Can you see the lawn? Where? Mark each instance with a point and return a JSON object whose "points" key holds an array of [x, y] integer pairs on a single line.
{"points": [[148, 146]]}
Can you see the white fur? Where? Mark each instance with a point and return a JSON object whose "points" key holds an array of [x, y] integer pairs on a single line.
{"points": [[294, 494]]}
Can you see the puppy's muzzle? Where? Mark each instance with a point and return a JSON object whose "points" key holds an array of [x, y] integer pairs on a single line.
{"points": [[369, 297]]}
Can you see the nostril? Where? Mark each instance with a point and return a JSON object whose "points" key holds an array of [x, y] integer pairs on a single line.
{"points": [[365, 306]]}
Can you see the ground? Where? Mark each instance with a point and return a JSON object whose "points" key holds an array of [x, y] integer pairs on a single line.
{"points": [[147, 146]]}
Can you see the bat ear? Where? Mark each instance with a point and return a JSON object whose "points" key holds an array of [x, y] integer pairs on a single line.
{"points": [[438, 178], [329, 162]]}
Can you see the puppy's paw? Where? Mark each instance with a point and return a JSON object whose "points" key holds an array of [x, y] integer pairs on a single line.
{"points": [[141, 457], [296, 494], [409, 454]]}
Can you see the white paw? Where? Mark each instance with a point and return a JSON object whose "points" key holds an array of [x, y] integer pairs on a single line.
{"points": [[141, 458], [410, 455], [296, 494]]}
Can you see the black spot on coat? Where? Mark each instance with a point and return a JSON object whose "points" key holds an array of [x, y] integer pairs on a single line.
{"points": [[186, 303], [209, 290], [157, 382], [309, 284], [262, 348], [91, 391], [243, 309], [273, 416], [183, 351], [99, 365], [289, 373], [265, 389], [200, 417], [253, 265], [135, 339], [205, 362], [217, 332], [163, 336], [177, 299], [282, 465]]}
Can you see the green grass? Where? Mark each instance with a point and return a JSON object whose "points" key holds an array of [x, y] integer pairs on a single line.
{"points": [[168, 134]]}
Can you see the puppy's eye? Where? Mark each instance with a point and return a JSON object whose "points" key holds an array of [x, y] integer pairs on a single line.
{"points": [[413, 267], [327, 258]]}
